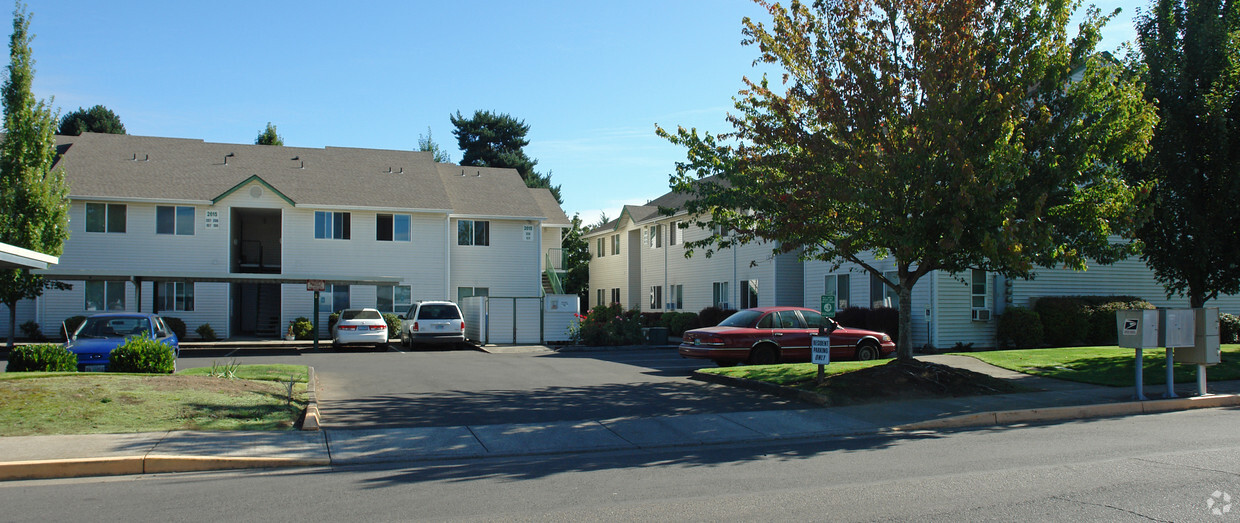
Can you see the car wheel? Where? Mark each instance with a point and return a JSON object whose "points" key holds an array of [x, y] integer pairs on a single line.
{"points": [[404, 340], [867, 352], [725, 363], [764, 355]]}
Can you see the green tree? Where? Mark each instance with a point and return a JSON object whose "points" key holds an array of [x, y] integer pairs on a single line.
{"points": [[269, 136], [577, 260], [490, 139], [945, 135], [1191, 53], [97, 119], [425, 143], [33, 195]]}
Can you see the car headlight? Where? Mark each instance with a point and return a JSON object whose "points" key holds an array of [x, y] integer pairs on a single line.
{"points": [[886, 338]]}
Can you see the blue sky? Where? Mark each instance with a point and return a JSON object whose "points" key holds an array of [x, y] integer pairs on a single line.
{"points": [[590, 78]]}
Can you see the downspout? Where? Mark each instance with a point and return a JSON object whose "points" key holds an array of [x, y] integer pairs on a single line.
{"points": [[447, 258], [667, 246]]}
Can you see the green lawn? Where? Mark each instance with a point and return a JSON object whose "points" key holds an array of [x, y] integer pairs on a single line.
{"points": [[1112, 366], [790, 374], [34, 403]]}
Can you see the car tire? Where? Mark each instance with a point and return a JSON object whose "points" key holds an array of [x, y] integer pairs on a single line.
{"points": [[404, 340], [867, 351], [764, 355]]}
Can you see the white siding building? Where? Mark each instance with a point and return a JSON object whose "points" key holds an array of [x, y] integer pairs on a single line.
{"points": [[228, 234]]}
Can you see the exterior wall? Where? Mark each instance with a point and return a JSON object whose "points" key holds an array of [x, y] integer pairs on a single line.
{"points": [[509, 266], [552, 238], [859, 293], [608, 271], [1128, 277]]}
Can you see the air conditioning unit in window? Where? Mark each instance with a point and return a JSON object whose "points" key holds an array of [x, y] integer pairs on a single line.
{"points": [[981, 314]]}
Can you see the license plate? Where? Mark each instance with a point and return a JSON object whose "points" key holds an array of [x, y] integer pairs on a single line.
{"points": [[439, 327], [93, 368]]}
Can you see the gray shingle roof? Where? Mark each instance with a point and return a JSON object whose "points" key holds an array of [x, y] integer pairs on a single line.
{"points": [[649, 211], [153, 168]]}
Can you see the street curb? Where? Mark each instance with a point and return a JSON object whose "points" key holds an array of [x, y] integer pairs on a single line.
{"points": [[133, 465], [1009, 417], [311, 420]]}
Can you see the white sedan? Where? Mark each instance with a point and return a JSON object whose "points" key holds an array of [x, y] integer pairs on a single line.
{"points": [[360, 327]]}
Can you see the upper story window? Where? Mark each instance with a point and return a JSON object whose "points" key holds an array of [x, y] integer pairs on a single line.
{"points": [[177, 220], [332, 225], [615, 244], [393, 227], [105, 217], [673, 233], [602, 247], [656, 236], [473, 232]]}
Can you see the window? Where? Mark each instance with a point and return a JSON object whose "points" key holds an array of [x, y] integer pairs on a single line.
{"points": [[881, 295], [602, 247], [719, 294], [392, 298], [656, 297], [466, 292], [105, 295], [602, 297], [977, 289], [615, 244], [673, 231], [335, 298], [656, 236], [177, 220], [749, 298], [473, 232], [392, 227], [105, 217], [813, 320], [837, 284], [177, 296], [332, 225], [615, 295], [677, 297]]}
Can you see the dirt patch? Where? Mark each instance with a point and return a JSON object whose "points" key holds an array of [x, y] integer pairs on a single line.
{"points": [[907, 380]]}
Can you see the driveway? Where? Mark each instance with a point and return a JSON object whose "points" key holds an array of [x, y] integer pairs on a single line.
{"points": [[371, 389]]}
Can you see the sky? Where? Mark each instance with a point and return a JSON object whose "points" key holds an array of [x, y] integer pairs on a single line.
{"points": [[591, 79]]}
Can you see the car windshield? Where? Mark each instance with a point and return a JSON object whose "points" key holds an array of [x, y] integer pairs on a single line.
{"points": [[113, 327], [741, 319], [438, 312], [360, 315]]}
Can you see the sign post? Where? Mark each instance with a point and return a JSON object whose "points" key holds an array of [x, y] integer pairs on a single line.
{"points": [[820, 354], [317, 286]]}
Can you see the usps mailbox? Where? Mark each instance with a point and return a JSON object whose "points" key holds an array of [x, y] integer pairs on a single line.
{"points": [[1205, 349], [1138, 329]]}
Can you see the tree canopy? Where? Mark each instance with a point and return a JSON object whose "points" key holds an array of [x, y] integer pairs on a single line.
{"points": [[490, 139], [577, 260], [33, 196], [1191, 53], [269, 137], [426, 143], [950, 136], [97, 119]]}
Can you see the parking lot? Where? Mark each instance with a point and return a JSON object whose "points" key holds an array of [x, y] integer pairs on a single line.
{"points": [[369, 388]]}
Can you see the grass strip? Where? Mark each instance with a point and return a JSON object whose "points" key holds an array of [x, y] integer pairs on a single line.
{"points": [[1111, 366]]}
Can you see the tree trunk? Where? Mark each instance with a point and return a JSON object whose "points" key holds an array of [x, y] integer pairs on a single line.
{"points": [[904, 345]]}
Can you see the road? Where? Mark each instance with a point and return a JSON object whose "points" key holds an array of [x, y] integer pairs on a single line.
{"points": [[401, 388], [1147, 468]]}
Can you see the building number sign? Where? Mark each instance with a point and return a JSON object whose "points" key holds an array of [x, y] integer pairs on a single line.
{"points": [[211, 220]]}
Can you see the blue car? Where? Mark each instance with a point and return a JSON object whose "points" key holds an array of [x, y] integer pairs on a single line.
{"points": [[99, 334]]}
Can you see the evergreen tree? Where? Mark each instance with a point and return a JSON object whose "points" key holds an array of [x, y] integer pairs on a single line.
{"points": [[498, 140], [269, 136], [426, 143], [97, 119], [33, 196]]}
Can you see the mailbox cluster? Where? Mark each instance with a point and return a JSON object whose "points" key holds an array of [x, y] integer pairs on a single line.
{"points": [[1189, 335]]}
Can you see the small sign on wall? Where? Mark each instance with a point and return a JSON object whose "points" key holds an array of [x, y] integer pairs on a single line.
{"points": [[211, 220], [528, 231]]}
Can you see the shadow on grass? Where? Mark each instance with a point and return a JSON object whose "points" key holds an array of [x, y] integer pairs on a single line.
{"points": [[1120, 371]]}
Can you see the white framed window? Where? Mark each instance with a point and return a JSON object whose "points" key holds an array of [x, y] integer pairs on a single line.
{"points": [[602, 297], [749, 296], [105, 295], [467, 292], [656, 236], [673, 233], [977, 288], [177, 296], [656, 297], [105, 217], [677, 296], [838, 285], [335, 298], [719, 294], [392, 298], [393, 228], [615, 295], [615, 244], [473, 232], [602, 248], [330, 225], [881, 295], [178, 220]]}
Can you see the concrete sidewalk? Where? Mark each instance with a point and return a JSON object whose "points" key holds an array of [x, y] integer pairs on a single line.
{"points": [[30, 457]]}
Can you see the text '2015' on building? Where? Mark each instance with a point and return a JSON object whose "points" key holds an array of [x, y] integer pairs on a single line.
{"points": [[229, 234]]}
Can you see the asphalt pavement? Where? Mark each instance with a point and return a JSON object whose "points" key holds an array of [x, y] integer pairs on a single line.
{"points": [[27, 457]]}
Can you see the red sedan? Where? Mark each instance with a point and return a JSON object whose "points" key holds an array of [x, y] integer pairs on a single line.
{"points": [[768, 335]]}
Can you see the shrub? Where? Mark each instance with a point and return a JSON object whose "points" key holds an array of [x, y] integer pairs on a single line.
{"points": [[177, 326], [302, 328], [331, 320], [44, 357], [610, 325], [393, 323], [142, 354], [1228, 328], [1102, 319], [72, 323], [1019, 328], [711, 316], [679, 322], [651, 319], [886, 320], [32, 331], [206, 333], [853, 317], [1064, 321]]}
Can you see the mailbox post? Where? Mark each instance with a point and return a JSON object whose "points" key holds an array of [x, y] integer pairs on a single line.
{"points": [[1137, 329]]}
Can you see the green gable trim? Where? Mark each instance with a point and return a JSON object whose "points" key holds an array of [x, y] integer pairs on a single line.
{"points": [[260, 180]]}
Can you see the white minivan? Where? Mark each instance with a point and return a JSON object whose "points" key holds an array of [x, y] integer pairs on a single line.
{"points": [[437, 322]]}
